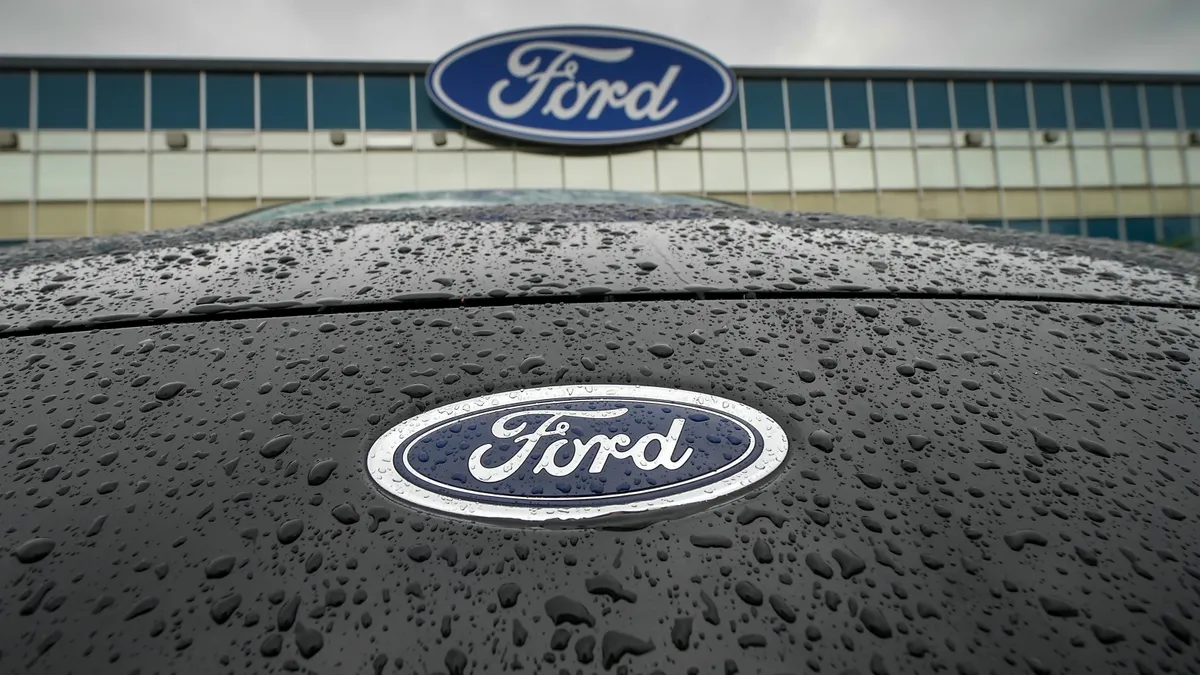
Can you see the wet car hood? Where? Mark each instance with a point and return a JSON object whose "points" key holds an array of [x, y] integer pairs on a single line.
{"points": [[379, 259]]}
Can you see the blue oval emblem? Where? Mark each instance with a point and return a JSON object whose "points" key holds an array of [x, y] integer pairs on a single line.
{"points": [[576, 453], [581, 86]]}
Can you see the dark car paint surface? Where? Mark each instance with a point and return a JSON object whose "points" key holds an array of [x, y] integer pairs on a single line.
{"points": [[992, 447]]}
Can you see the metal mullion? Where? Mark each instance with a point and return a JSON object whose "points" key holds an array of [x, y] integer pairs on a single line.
{"points": [[1106, 108], [829, 144], [911, 92], [958, 181], [412, 124], [312, 138], [1189, 187], [1070, 105], [1155, 202], [1031, 111], [700, 159], [35, 158], [874, 148], [258, 137], [787, 142], [994, 127], [91, 127], [745, 149], [148, 204], [362, 131], [203, 83]]}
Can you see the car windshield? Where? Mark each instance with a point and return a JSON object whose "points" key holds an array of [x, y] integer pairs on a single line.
{"points": [[451, 198]]}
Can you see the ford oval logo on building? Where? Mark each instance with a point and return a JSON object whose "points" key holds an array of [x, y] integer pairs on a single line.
{"points": [[581, 86], [579, 453]]}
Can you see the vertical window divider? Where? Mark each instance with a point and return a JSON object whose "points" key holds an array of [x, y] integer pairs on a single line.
{"points": [[787, 141], [258, 138], [962, 194], [1152, 184], [412, 124], [91, 127], [699, 166], [1181, 124], [312, 138], [829, 127], [1031, 111], [1070, 106], [745, 148], [994, 128], [362, 131], [148, 204], [874, 147], [1106, 109], [911, 92], [35, 137], [203, 84]]}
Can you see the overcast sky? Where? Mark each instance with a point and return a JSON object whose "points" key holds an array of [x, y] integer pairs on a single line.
{"points": [[1026, 34]]}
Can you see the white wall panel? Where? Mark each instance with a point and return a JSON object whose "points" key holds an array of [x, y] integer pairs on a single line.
{"points": [[121, 176]]}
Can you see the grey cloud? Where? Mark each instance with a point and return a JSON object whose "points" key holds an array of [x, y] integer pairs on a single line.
{"points": [[1024, 34]]}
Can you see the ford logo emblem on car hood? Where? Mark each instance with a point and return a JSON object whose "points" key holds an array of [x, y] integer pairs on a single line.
{"points": [[577, 453], [581, 86]]}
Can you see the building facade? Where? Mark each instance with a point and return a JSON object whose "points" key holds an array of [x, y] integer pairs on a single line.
{"points": [[92, 147]]}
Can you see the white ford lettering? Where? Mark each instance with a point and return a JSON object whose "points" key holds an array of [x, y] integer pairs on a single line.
{"points": [[644, 100], [607, 446]]}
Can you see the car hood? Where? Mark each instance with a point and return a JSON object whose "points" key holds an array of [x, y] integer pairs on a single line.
{"points": [[376, 259]]}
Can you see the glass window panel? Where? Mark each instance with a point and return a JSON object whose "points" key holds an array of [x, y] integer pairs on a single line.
{"points": [[177, 176], [1103, 227], [441, 171], [731, 118], [120, 101], [586, 173], [936, 167], [16, 176], [175, 100], [932, 99], [853, 170], [283, 101], [14, 100], [387, 101], [1016, 168], [1050, 105], [1190, 93], [806, 104], [633, 171], [679, 171], [339, 174], [1160, 106], [1065, 226], [539, 170], [767, 171], [285, 175], [811, 171], [1166, 167], [429, 116], [1177, 231], [977, 168], [232, 174], [971, 105], [1129, 165], [1140, 229], [1124, 106], [849, 104], [1092, 167], [64, 177], [891, 104], [764, 104], [1012, 106], [229, 101], [335, 101], [1054, 168], [391, 172], [121, 176], [896, 170], [490, 170], [62, 100], [1087, 105], [723, 171]]}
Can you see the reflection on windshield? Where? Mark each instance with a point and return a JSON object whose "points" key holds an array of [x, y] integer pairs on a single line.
{"points": [[452, 198]]}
